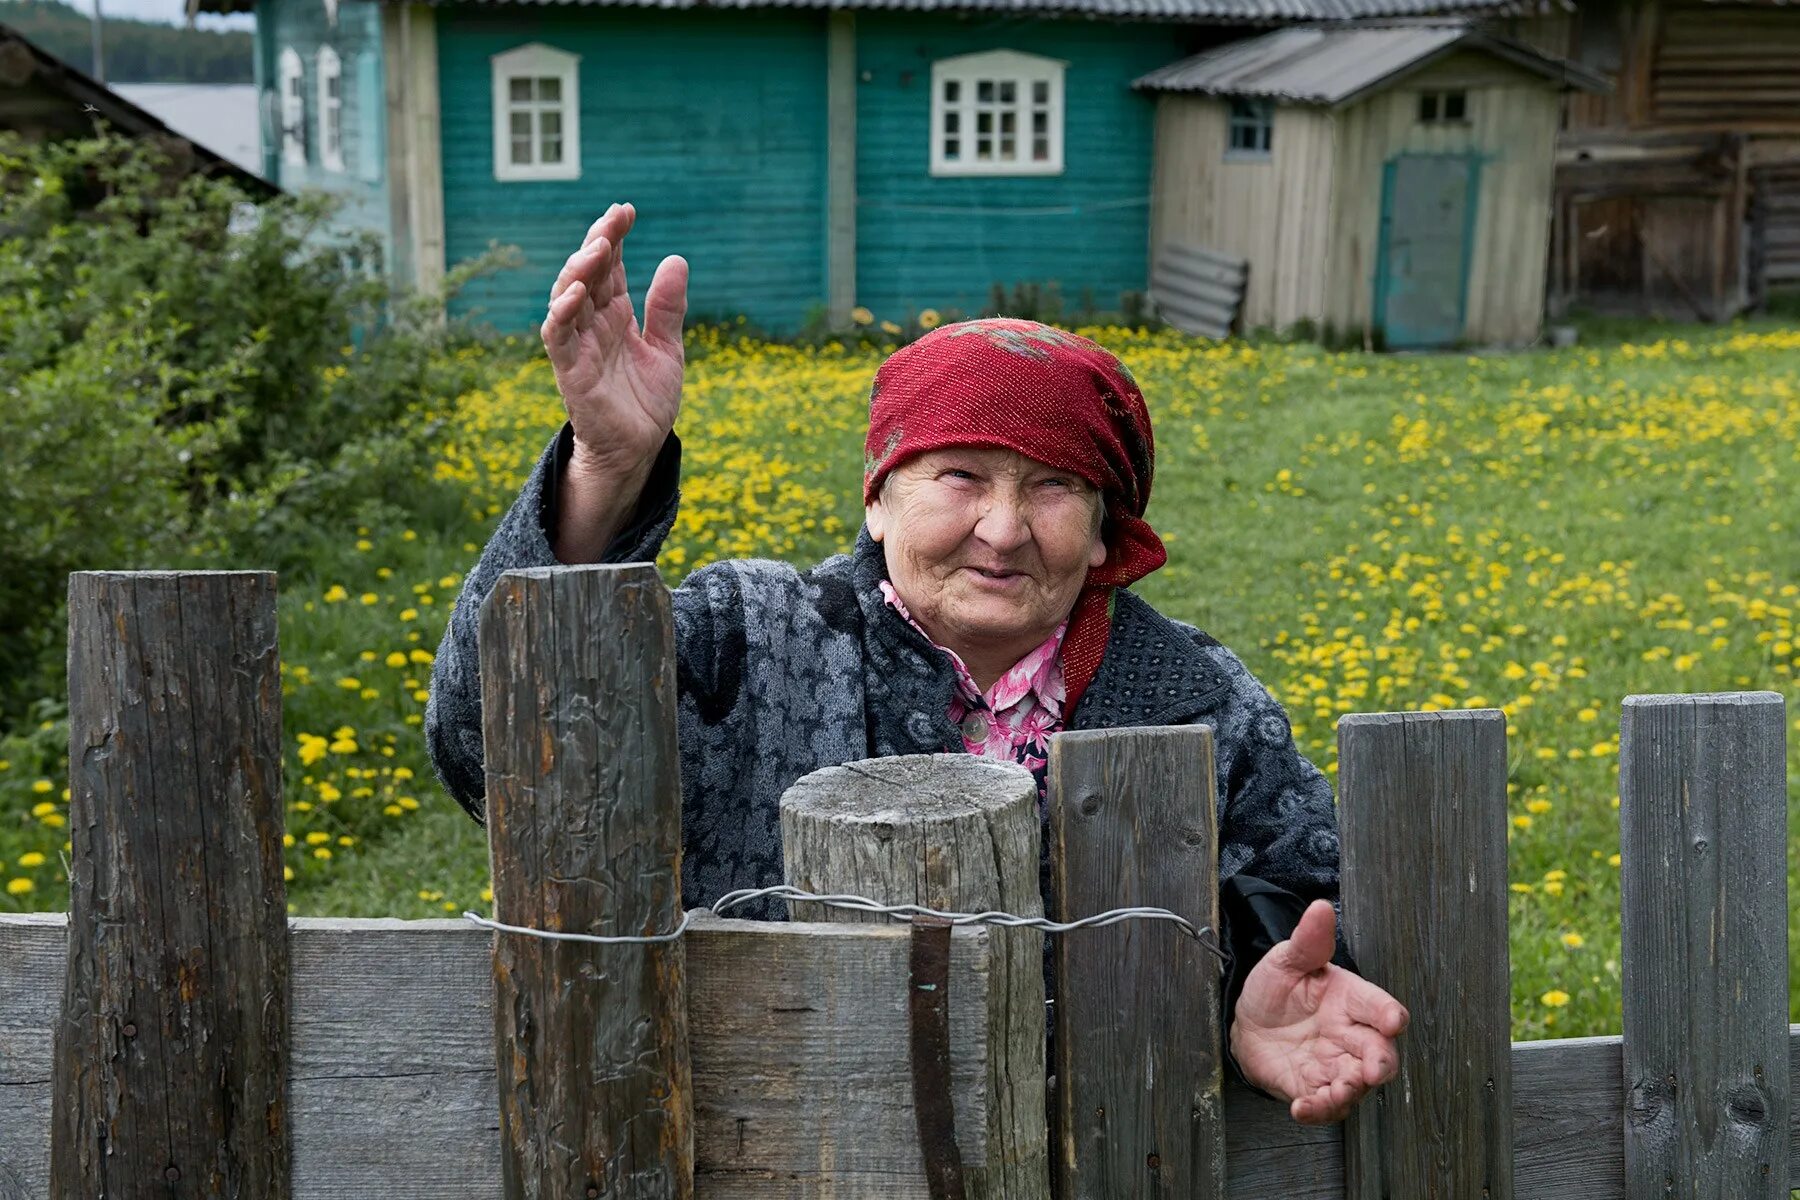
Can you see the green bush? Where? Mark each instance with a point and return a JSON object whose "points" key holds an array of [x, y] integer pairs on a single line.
{"points": [[190, 377]]}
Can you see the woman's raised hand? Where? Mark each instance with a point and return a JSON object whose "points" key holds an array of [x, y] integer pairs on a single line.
{"points": [[621, 387]]}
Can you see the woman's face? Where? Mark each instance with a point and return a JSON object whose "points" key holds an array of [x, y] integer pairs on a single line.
{"points": [[987, 548]]}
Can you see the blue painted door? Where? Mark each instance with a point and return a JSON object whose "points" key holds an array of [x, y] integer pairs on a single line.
{"points": [[1427, 234]]}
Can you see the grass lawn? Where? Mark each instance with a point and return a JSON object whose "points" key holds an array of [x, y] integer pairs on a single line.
{"points": [[1543, 532]]}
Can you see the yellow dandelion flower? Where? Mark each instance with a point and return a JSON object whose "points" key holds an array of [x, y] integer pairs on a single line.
{"points": [[322, 852], [31, 858], [19, 887], [1537, 807], [862, 316], [43, 785], [287, 873], [336, 593], [349, 683], [369, 598], [1554, 998], [395, 659], [1572, 940]]}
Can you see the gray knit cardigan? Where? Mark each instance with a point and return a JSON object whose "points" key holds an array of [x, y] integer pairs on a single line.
{"points": [[782, 671]]}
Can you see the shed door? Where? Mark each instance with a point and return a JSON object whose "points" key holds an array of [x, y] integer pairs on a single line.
{"points": [[1427, 233]]}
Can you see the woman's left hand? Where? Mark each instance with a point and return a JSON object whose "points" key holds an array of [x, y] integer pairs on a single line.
{"points": [[1311, 1032]]}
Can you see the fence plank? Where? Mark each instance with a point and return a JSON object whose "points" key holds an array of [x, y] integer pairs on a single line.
{"points": [[1137, 1010], [393, 1071], [584, 825], [799, 1058], [951, 831], [171, 1050], [1703, 838], [1422, 798]]}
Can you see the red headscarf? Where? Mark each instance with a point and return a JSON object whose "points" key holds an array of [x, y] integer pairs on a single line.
{"points": [[1052, 396]]}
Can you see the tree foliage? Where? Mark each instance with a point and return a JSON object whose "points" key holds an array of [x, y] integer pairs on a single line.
{"points": [[136, 51]]}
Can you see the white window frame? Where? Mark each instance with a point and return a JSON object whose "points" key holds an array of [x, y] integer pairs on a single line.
{"points": [[1260, 120], [331, 110], [537, 61], [292, 106], [996, 68]]}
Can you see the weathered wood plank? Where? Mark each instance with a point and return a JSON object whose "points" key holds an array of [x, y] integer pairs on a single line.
{"points": [[393, 1092], [1422, 799], [1138, 1029], [950, 831], [171, 1049], [1704, 954], [799, 1057], [584, 826]]}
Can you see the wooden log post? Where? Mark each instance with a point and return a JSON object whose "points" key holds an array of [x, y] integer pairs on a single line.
{"points": [[1422, 809], [1138, 1022], [1703, 887], [170, 1065], [953, 832], [584, 824]]}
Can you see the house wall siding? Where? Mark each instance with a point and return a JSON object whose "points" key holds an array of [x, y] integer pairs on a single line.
{"points": [[712, 124], [356, 37], [942, 242], [1274, 212]]}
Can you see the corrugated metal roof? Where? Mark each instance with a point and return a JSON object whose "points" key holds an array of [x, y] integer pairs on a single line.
{"points": [[1334, 65], [1216, 12]]}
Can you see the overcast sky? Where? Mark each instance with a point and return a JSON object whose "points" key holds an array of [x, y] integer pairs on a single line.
{"points": [[167, 11]]}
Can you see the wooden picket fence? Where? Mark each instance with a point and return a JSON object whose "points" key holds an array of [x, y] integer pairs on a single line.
{"points": [[176, 1034]]}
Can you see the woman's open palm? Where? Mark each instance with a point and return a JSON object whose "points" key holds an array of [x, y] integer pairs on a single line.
{"points": [[1310, 1031], [621, 387]]}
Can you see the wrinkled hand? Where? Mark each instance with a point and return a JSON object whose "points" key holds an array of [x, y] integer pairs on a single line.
{"points": [[622, 388], [1311, 1032]]}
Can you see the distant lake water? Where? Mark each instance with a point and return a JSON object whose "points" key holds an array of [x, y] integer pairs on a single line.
{"points": [[220, 116]]}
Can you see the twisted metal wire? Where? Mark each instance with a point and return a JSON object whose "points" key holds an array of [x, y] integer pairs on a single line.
{"points": [[903, 912]]}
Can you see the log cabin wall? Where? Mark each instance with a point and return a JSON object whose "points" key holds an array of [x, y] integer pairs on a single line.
{"points": [[1678, 194]]}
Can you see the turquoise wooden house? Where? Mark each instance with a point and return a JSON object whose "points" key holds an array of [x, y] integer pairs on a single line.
{"points": [[805, 156]]}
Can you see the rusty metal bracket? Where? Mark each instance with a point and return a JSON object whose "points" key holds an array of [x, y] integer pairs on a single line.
{"points": [[928, 1013]]}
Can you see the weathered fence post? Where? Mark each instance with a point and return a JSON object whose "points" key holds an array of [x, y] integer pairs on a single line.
{"points": [[1703, 848], [170, 1061], [956, 832], [1138, 1071], [1422, 799], [584, 823]]}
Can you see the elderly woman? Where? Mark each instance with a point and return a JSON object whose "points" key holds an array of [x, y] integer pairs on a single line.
{"points": [[984, 608]]}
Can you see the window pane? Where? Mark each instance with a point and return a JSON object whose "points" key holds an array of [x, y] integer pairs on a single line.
{"points": [[518, 89], [952, 91], [1008, 149], [1455, 104], [1428, 107], [550, 123], [332, 83], [952, 149], [984, 91], [984, 149], [1040, 92], [984, 122], [549, 89], [552, 151], [521, 150], [1008, 92], [952, 122], [1265, 135], [521, 124], [1040, 149], [1008, 121], [1040, 122]]}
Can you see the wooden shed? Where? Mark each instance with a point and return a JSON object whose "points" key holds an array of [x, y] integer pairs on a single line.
{"points": [[1391, 182]]}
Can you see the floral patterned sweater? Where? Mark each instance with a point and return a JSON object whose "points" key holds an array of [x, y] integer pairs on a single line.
{"points": [[782, 671]]}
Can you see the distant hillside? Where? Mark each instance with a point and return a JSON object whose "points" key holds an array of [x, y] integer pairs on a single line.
{"points": [[136, 51]]}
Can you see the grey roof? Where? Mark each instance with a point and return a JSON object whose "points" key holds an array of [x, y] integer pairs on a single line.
{"points": [[1212, 12], [1337, 64]]}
